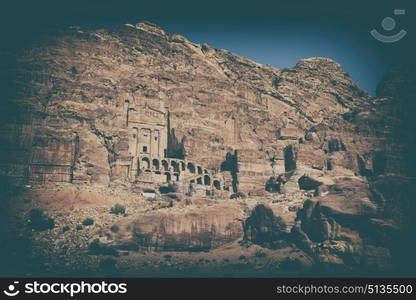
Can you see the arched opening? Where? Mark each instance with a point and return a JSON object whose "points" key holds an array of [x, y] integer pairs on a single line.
{"points": [[168, 176], [183, 167], [206, 171], [191, 167], [207, 180], [199, 170], [175, 166], [165, 165], [217, 184], [145, 163], [176, 175], [199, 180], [155, 163]]}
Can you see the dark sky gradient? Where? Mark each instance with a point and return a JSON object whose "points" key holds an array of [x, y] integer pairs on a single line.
{"points": [[278, 33]]}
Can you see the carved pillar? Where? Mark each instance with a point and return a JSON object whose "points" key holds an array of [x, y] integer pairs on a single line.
{"points": [[126, 106], [136, 141], [134, 167]]}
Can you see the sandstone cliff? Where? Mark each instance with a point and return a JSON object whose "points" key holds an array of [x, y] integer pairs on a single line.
{"points": [[72, 85], [319, 158]]}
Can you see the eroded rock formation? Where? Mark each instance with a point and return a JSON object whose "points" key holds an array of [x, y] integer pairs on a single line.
{"points": [[193, 230], [95, 96], [139, 108]]}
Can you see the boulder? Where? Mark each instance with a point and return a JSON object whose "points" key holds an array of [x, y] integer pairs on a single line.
{"points": [[338, 225], [321, 190], [289, 187], [194, 229], [263, 227]]}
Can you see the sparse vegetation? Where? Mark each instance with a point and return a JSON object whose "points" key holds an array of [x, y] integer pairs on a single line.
{"points": [[79, 227], [238, 195], [39, 220], [259, 253], [65, 228], [290, 264], [167, 257], [97, 248], [118, 209], [115, 228], [242, 257], [88, 222]]}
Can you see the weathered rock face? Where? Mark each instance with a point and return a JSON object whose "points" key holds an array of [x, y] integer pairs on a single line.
{"points": [[347, 204], [75, 93], [193, 230], [399, 84], [341, 227], [136, 107]]}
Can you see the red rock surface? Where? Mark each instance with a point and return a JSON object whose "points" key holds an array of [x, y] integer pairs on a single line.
{"points": [[136, 109]]}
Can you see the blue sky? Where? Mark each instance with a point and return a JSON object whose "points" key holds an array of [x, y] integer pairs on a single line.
{"points": [[283, 42]]}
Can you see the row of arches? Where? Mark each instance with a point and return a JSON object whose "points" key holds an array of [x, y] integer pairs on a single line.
{"points": [[206, 180], [172, 169], [165, 165]]}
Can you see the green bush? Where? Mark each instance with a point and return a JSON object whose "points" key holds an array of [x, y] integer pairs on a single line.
{"points": [[39, 220], [118, 209], [65, 228], [88, 222]]}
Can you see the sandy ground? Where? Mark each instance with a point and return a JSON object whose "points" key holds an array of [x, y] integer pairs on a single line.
{"points": [[62, 252]]}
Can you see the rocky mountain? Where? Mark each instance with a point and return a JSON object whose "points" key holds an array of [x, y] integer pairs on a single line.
{"points": [[298, 158]]}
